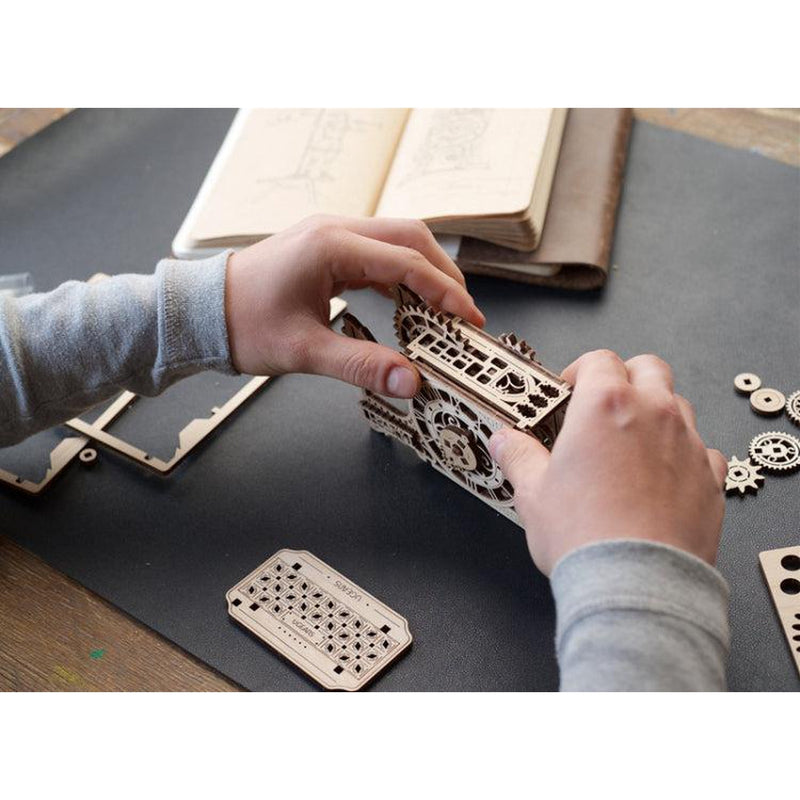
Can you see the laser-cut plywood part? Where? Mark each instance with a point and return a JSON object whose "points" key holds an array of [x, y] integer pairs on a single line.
{"points": [[793, 407], [767, 402], [326, 625], [472, 385], [88, 457], [194, 432], [64, 453], [781, 570], [746, 382], [743, 476], [776, 451]]}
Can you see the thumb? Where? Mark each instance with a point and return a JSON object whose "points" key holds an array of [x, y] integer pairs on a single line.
{"points": [[522, 458], [362, 363]]}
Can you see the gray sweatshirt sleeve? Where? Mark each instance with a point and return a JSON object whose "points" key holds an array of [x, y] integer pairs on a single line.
{"points": [[638, 615], [69, 349]]}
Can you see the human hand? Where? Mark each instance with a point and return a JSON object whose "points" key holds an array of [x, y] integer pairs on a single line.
{"points": [[277, 293], [627, 464]]}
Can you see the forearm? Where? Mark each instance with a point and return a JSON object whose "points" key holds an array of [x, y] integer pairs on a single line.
{"points": [[71, 348], [636, 615]]}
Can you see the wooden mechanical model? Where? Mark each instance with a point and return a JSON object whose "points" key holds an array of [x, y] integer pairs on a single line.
{"points": [[472, 385]]}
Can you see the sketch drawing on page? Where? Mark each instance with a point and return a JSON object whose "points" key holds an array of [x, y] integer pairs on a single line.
{"points": [[318, 163], [452, 143]]}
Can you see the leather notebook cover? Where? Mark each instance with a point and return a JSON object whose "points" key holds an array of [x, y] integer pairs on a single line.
{"points": [[579, 227]]}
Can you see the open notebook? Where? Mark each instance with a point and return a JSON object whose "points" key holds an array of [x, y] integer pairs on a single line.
{"points": [[485, 173]]}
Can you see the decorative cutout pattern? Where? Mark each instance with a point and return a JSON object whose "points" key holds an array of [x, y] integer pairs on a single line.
{"points": [[472, 384], [330, 628]]}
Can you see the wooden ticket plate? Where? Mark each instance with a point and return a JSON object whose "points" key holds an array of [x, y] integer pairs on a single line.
{"points": [[782, 572], [338, 634]]}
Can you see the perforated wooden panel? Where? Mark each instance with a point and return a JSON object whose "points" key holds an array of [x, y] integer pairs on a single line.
{"points": [[333, 630], [782, 572]]}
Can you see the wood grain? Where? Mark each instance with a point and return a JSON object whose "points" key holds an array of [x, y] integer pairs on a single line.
{"points": [[71, 640], [772, 132], [17, 124], [55, 635]]}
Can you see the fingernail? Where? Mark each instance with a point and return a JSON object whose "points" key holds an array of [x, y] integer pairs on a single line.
{"points": [[497, 444], [401, 382]]}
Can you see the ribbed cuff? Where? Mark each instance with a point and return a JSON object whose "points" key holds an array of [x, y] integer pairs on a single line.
{"points": [[191, 314], [632, 574]]}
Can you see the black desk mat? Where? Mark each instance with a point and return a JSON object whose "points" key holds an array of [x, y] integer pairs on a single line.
{"points": [[707, 275]]}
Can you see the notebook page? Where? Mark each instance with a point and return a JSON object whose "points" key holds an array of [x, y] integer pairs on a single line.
{"points": [[466, 162], [290, 163]]}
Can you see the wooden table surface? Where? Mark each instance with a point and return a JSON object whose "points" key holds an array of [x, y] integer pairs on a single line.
{"points": [[72, 640]]}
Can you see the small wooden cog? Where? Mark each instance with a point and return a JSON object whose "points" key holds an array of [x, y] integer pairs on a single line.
{"points": [[742, 476], [746, 382], [767, 402], [793, 407], [776, 451]]}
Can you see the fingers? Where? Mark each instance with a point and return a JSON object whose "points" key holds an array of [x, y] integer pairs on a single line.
{"points": [[365, 364], [719, 466], [406, 233], [596, 367], [650, 374], [365, 259], [687, 412], [522, 458]]}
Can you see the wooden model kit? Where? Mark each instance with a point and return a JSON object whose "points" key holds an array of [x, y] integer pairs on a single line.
{"points": [[193, 433], [782, 573], [323, 623], [472, 385]]}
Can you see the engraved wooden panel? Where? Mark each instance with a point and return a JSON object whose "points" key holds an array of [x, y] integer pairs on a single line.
{"points": [[326, 625]]}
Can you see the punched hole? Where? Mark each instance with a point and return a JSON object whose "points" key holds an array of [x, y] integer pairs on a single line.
{"points": [[791, 562], [237, 602], [254, 606], [338, 669], [790, 586]]}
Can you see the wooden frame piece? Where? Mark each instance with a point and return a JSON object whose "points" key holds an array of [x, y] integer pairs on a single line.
{"points": [[781, 570], [65, 451], [319, 620], [472, 385], [194, 433]]}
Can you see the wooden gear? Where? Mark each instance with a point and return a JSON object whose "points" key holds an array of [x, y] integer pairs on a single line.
{"points": [[472, 385], [776, 451], [793, 407], [767, 402], [746, 383], [742, 476]]}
